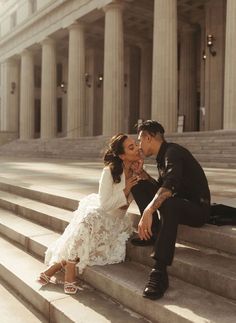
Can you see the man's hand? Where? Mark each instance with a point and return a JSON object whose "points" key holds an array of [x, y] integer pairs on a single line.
{"points": [[145, 224]]}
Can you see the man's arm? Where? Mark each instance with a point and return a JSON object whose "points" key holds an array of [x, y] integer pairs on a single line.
{"points": [[171, 181], [161, 195], [145, 224]]}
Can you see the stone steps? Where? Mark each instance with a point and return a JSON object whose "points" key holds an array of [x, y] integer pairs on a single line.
{"points": [[221, 144], [57, 218], [19, 270], [183, 302], [123, 282], [14, 309], [25, 232], [44, 214], [202, 278]]}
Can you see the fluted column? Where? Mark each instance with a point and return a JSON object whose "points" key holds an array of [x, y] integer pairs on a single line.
{"points": [[113, 91], [145, 81], [187, 78], [164, 81], [214, 64], [230, 67], [27, 96], [9, 114], [48, 90], [76, 82]]}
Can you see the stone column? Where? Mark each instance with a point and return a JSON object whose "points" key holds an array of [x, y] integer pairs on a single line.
{"points": [[187, 78], [9, 119], [214, 65], [230, 67], [145, 81], [127, 98], [202, 58], [76, 82], [64, 96], [113, 94], [48, 90], [90, 91], [164, 80], [98, 92], [27, 96]]}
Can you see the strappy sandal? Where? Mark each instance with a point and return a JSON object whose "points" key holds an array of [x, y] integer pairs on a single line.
{"points": [[43, 279], [70, 288]]}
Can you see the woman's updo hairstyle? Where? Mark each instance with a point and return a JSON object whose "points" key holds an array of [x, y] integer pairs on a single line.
{"points": [[111, 157]]}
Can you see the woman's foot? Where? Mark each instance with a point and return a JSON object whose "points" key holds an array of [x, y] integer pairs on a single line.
{"points": [[70, 278], [45, 277]]}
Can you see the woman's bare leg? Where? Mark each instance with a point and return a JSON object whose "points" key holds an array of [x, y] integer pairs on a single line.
{"points": [[70, 277], [45, 276]]}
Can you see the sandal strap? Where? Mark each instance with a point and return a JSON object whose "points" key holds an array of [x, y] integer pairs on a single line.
{"points": [[68, 285], [72, 261], [45, 277]]}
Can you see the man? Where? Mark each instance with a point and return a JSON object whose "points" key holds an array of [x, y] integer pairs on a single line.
{"points": [[181, 196]]}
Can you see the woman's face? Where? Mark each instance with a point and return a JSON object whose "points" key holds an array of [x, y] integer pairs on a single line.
{"points": [[131, 150]]}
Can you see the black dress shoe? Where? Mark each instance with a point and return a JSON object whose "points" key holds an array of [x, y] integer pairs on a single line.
{"points": [[143, 243], [157, 284]]}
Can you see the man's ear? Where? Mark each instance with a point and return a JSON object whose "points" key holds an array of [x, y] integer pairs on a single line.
{"points": [[149, 138]]}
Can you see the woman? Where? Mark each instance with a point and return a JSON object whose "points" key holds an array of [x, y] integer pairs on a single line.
{"points": [[99, 229]]}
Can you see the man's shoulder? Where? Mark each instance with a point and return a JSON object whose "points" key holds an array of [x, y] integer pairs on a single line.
{"points": [[174, 147], [177, 151]]}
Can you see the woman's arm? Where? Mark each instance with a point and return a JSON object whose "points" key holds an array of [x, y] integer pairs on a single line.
{"points": [[108, 199]]}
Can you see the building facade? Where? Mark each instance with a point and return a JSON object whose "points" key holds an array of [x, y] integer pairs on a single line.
{"points": [[72, 68]]}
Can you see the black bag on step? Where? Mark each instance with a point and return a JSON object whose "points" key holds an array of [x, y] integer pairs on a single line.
{"points": [[222, 214]]}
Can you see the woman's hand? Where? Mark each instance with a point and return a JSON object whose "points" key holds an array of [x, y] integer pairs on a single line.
{"points": [[137, 166], [129, 183]]}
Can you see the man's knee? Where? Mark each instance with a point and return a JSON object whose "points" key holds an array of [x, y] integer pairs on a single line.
{"points": [[169, 205]]}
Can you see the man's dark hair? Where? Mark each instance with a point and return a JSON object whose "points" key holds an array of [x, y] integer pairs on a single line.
{"points": [[152, 127]]}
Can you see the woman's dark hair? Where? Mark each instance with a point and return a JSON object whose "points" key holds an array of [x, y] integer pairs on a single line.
{"points": [[152, 127], [111, 157]]}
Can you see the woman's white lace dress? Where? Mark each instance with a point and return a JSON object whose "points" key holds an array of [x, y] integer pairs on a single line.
{"points": [[99, 229]]}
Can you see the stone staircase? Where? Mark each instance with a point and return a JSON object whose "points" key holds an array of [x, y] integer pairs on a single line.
{"points": [[202, 278], [212, 148], [7, 136]]}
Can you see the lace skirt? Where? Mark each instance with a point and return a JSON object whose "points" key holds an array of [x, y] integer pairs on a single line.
{"points": [[93, 236]]}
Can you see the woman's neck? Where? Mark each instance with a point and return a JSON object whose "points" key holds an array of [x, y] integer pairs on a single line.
{"points": [[127, 169], [126, 166]]}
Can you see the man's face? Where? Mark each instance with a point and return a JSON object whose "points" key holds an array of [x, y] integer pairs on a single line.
{"points": [[145, 143]]}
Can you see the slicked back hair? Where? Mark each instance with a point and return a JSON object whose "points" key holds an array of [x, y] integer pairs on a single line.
{"points": [[152, 127]]}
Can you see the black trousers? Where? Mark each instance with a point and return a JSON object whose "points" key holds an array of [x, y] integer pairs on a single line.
{"points": [[173, 211]]}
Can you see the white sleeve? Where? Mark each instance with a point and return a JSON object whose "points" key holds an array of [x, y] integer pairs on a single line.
{"points": [[108, 199]]}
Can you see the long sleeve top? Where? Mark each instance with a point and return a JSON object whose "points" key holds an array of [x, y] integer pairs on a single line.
{"points": [[111, 195]]}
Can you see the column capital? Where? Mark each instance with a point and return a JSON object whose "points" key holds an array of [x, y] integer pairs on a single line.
{"points": [[76, 25], [10, 60], [188, 28], [116, 4], [48, 41], [26, 52]]}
